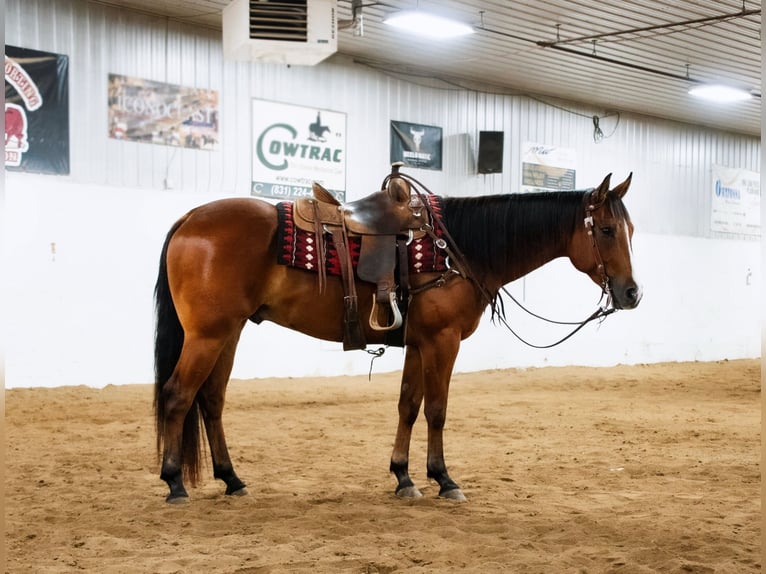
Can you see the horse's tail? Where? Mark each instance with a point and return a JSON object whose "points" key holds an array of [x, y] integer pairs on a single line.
{"points": [[168, 341]]}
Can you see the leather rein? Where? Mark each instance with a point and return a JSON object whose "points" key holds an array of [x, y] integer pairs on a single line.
{"points": [[461, 267]]}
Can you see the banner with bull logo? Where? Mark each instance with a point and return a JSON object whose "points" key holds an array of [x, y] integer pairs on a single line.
{"points": [[36, 111], [294, 146], [155, 112], [416, 145]]}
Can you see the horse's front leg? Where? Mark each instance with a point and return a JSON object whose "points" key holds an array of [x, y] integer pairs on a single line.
{"points": [[410, 399], [438, 359]]}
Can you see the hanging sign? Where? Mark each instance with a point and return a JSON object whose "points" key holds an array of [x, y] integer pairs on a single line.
{"points": [[547, 168], [736, 201], [36, 111], [416, 145], [294, 146], [166, 114]]}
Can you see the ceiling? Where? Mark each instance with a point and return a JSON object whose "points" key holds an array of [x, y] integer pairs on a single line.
{"points": [[640, 56]]}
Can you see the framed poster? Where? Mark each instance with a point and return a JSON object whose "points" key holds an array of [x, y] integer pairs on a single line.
{"points": [[736, 201], [36, 111], [416, 145], [294, 146], [166, 114], [547, 168]]}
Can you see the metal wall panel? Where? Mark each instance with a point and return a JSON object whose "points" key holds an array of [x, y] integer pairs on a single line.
{"points": [[671, 161]]}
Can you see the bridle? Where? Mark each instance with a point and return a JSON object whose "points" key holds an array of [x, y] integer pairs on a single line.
{"points": [[590, 207], [603, 311]]}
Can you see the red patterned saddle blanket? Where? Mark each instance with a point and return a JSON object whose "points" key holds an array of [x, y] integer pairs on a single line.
{"points": [[297, 248]]}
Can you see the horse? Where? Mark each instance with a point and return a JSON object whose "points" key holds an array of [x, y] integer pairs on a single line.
{"points": [[219, 269]]}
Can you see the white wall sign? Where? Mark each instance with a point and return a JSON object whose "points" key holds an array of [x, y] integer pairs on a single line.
{"points": [[736, 201], [294, 146], [547, 168]]}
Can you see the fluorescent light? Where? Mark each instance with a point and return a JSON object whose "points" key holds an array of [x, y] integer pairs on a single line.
{"points": [[719, 93], [428, 25]]}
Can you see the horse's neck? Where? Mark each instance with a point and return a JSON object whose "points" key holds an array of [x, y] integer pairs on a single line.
{"points": [[527, 231], [521, 266], [530, 249]]}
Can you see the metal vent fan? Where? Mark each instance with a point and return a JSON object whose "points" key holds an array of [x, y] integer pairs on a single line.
{"points": [[285, 20], [300, 32]]}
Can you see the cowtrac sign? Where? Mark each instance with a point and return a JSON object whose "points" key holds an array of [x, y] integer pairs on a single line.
{"points": [[294, 146]]}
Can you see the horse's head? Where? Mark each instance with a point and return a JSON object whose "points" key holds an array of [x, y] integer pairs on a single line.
{"points": [[602, 246]]}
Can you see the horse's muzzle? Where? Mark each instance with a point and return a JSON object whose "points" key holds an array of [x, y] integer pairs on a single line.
{"points": [[628, 296]]}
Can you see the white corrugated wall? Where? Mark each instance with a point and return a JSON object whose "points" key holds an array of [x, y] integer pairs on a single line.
{"points": [[671, 161], [113, 207]]}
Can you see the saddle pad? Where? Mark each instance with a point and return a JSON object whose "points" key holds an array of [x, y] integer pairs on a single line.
{"points": [[297, 247]]}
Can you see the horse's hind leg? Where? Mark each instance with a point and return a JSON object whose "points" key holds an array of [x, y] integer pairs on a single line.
{"points": [[211, 401], [179, 415], [410, 399]]}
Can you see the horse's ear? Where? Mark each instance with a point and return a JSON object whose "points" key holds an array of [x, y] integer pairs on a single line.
{"points": [[599, 194], [622, 188]]}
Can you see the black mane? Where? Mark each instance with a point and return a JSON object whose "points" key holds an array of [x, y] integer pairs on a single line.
{"points": [[492, 230]]}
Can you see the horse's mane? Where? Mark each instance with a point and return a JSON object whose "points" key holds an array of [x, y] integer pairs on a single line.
{"points": [[492, 230]]}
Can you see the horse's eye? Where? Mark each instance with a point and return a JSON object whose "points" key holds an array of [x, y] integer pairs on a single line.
{"points": [[608, 231]]}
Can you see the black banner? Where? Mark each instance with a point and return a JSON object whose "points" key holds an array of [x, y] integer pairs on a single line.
{"points": [[36, 111], [416, 145]]}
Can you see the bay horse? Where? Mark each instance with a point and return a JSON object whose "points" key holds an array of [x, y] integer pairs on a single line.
{"points": [[219, 268]]}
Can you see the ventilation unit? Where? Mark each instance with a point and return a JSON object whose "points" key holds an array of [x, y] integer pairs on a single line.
{"points": [[300, 32]]}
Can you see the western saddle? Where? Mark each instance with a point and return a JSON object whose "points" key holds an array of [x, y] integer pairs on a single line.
{"points": [[382, 220]]}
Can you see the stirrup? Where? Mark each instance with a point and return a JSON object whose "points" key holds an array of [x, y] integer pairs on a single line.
{"points": [[397, 321]]}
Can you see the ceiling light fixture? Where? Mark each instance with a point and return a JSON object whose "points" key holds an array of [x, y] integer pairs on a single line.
{"points": [[720, 93], [428, 25]]}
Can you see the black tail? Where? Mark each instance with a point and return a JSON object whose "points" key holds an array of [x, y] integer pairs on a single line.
{"points": [[168, 341]]}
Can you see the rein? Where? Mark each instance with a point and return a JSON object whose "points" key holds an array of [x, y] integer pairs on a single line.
{"points": [[601, 313], [463, 269]]}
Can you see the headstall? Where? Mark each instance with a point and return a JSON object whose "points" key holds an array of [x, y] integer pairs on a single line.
{"points": [[590, 207]]}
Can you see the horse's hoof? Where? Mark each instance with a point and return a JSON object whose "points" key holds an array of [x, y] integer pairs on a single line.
{"points": [[409, 492], [241, 492], [184, 499], [455, 494]]}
